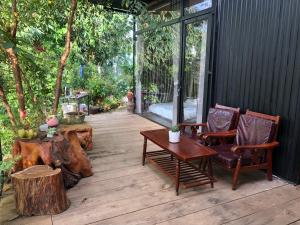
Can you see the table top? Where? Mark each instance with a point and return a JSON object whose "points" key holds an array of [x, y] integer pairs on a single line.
{"points": [[187, 149]]}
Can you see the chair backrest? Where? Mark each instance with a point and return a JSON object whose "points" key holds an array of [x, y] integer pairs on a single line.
{"points": [[222, 118], [256, 128]]}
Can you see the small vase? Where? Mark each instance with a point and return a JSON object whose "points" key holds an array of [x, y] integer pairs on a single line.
{"points": [[130, 96], [174, 137]]}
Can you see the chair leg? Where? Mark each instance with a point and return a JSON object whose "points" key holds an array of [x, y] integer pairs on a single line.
{"points": [[269, 170], [236, 174]]}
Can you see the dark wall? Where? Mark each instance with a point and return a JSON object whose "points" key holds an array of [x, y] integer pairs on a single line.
{"points": [[258, 68]]}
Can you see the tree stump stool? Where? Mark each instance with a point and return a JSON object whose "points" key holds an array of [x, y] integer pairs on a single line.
{"points": [[84, 133], [39, 190]]}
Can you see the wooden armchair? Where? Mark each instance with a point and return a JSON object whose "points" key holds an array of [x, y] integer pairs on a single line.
{"points": [[219, 119], [255, 139]]}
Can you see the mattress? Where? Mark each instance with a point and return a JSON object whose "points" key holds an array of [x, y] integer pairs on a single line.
{"points": [[165, 110]]}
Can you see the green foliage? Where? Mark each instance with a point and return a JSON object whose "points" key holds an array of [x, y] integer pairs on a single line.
{"points": [[109, 103], [152, 94], [7, 138], [100, 40], [175, 128]]}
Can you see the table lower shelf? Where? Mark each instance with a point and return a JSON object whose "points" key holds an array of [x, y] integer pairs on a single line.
{"points": [[190, 175]]}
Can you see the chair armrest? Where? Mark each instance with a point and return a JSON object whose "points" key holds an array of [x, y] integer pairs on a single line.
{"points": [[221, 134], [267, 146]]}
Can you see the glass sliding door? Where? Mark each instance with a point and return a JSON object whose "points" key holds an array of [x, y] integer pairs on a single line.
{"points": [[156, 74], [195, 61]]}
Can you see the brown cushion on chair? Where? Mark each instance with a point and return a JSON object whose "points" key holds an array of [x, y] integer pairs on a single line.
{"points": [[220, 120], [228, 158], [252, 130]]}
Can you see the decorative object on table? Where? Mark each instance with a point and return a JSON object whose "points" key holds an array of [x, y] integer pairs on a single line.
{"points": [[44, 128], [73, 118], [39, 190], [51, 131], [27, 134], [52, 121], [174, 134]]}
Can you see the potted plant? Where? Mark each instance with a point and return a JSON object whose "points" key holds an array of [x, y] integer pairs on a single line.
{"points": [[174, 134], [51, 132]]}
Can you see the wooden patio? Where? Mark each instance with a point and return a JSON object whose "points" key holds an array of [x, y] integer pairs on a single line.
{"points": [[122, 191]]}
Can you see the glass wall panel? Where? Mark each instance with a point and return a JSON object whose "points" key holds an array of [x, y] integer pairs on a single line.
{"points": [[193, 6], [194, 70], [157, 66], [160, 11]]}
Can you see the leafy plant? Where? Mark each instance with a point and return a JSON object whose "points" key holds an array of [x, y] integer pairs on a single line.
{"points": [[175, 129]]}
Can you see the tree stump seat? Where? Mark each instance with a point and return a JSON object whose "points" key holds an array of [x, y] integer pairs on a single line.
{"points": [[39, 190]]}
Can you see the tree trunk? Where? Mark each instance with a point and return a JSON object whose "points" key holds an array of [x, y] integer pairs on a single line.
{"points": [[39, 190], [64, 56], [17, 75], [7, 107], [14, 60]]}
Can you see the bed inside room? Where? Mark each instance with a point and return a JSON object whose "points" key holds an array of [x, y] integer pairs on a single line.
{"points": [[165, 110]]}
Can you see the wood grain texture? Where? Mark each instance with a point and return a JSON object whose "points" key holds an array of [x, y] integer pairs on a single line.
{"points": [[121, 191], [39, 190]]}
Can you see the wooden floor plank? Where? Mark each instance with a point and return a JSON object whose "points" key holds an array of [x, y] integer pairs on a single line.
{"points": [[124, 192], [240, 207], [283, 213]]}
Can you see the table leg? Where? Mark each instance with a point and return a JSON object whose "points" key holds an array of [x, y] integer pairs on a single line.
{"points": [[144, 150], [177, 175], [210, 172]]}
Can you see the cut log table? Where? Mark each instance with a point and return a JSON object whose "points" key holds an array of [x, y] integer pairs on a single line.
{"points": [[39, 190], [63, 152], [84, 133]]}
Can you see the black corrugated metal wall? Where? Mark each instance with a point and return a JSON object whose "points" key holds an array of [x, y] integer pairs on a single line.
{"points": [[258, 68]]}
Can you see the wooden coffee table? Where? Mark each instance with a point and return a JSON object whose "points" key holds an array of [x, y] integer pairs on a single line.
{"points": [[175, 159]]}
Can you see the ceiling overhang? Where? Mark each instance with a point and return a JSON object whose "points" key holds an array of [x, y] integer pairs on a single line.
{"points": [[116, 5]]}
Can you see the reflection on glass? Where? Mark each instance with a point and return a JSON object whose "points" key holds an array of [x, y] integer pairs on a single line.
{"points": [[194, 70], [156, 74], [161, 11], [193, 6]]}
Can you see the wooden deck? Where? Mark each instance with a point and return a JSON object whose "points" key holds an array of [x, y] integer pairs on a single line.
{"points": [[124, 192]]}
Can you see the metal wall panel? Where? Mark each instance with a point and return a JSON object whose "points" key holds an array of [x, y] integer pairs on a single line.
{"points": [[258, 68]]}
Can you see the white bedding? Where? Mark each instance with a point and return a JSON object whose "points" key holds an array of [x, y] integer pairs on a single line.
{"points": [[165, 110]]}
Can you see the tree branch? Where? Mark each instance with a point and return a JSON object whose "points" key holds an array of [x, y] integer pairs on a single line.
{"points": [[64, 56], [14, 26], [7, 107]]}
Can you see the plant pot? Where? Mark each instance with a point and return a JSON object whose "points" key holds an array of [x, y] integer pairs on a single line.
{"points": [[73, 118], [174, 137], [130, 107]]}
